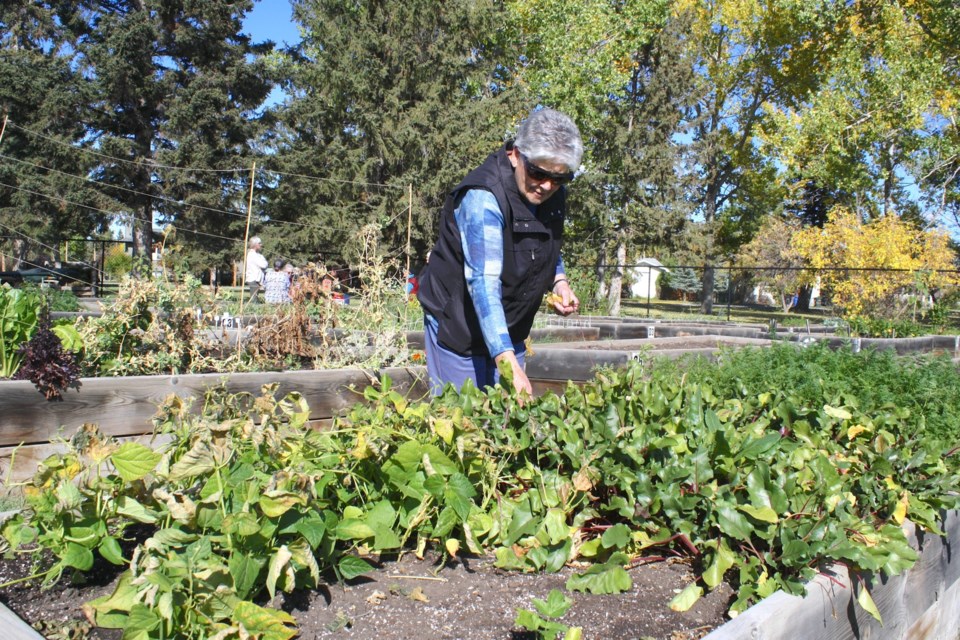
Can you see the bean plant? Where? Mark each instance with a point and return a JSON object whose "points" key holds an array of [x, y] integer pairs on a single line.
{"points": [[239, 500]]}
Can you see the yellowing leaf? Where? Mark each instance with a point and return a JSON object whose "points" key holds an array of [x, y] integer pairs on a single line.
{"points": [[453, 546], [855, 430], [267, 624], [418, 595], [444, 428], [686, 598], [362, 450], [865, 600], [900, 512], [584, 479]]}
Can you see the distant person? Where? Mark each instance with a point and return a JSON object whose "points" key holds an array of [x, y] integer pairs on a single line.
{"points": [[293, 274], [276, 284], [256, 267], [498, 253]]}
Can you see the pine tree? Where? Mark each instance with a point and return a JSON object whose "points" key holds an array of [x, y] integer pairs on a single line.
{"points": [[177, 86], [385, 94], [44, 197], [638, 180]]}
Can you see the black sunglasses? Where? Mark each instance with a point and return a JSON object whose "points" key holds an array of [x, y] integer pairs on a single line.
{"points": [[542, 175]]}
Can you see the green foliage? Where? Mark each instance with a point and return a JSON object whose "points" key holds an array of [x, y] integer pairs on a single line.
{"points": [[759, 479], [394, 93], [43, 95], [117, 263], [19, 311], [870, 327], [918, 387], [683, 279], [542, 621]]}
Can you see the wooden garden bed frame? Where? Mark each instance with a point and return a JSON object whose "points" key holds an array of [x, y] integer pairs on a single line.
{"points": [[924, 602]]}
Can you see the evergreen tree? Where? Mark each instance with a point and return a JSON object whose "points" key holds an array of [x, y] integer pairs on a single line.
{"points": [[177, 86], [44, 197], [385, 94], [637, 175]]}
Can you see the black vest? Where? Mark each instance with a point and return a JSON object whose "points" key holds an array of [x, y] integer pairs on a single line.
{"points": [[531, 248]]}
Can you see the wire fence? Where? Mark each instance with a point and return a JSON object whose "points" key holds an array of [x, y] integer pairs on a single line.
{"points": [[904, 292]]}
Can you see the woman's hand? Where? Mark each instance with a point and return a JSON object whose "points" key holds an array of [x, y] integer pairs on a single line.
{"points": [[520, 381], [563, 299]]}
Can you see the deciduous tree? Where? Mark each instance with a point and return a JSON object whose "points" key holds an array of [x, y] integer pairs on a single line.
{"points": [[871, 266], [779, 264]]}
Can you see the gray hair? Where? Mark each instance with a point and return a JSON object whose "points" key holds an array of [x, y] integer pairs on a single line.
{"points": [[255, 240], [551, 136]]}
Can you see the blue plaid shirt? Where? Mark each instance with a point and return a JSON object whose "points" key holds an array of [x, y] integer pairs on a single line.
{"points": [[481, 235]]}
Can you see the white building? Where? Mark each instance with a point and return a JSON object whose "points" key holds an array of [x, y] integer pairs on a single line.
{"points": [[644, 277]]}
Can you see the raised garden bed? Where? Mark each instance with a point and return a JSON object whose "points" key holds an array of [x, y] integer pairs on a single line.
{"points": [[125, 406], [921, 603], [930, 598]]}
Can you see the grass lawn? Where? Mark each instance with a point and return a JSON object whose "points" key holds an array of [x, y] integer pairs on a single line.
{"points": [[747, 314]]}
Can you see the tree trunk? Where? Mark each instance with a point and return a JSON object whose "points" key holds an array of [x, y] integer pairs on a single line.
{"points": [[19, 253], [601, 271], [709, 275], [143, 241], [616, 278]]}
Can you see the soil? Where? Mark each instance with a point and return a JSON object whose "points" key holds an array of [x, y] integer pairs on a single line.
{"points": [[407, 598]]}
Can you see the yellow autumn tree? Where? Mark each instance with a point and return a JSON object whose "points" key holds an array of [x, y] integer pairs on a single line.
{"points": [[873, 269]]}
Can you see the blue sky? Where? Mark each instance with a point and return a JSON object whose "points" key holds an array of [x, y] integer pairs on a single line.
{"points": [[270, 20]]}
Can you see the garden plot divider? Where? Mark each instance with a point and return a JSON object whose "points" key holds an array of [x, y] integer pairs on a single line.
{"points": [[124, 407]]}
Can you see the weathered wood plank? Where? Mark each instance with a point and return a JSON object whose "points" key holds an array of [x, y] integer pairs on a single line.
{"points": [[125, 406], [579, 362]]}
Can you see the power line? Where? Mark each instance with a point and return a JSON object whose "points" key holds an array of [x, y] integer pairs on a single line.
{"points": [[333, 180], [119, 188], [120, 160], [158, 197], [111, 213], [50, 270], [156, 165], [46, 246]]}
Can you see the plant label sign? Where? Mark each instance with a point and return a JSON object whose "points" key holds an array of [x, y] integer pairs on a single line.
{"points": [[227, 321]]}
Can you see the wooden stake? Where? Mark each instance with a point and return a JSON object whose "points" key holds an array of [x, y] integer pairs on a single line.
{"points": [[409, 225], [246, 240]]}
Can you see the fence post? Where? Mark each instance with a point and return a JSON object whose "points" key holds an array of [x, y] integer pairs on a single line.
{"points": [[729, 290], [649, 282]]}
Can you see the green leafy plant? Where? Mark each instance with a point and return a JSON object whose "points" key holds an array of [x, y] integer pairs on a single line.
{"points": [[543, 622], [756, 482], [870, 327], [19, 312]]}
